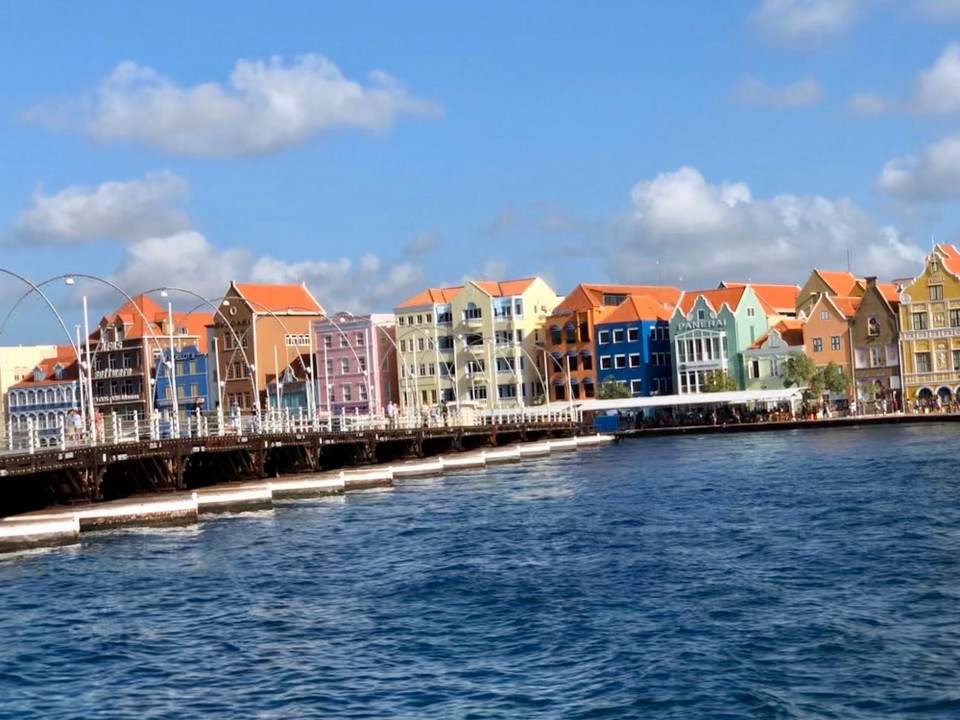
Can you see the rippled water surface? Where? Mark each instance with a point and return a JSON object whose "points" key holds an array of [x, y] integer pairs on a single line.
{"points": [[807, 574]]}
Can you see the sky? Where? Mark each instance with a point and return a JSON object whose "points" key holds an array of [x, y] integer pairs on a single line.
{"points": [[374, 149]]}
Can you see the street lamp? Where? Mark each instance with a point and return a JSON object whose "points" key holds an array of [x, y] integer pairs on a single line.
{"points": [[172, 367]]}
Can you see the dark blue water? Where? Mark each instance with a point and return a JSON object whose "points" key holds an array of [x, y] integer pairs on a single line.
{"points": [[809, 574]]}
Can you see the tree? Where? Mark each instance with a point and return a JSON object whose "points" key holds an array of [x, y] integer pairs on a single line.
{"points": [[834, 380], [718, 381], [610, 389], [799, 370]]}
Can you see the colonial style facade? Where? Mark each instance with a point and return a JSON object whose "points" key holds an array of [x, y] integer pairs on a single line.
{"points": [[17, 363], [43, 397], [473, 345], [188, 376], [836, 283], [709, 331], [127, 346], [826, 334], [875, 334], [258, 329], [764, 360], [356, 363], [930, 329], [570, 338], [633, 347]]}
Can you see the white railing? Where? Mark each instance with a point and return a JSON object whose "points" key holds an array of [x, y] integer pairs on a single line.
{"points": [[115, 429]]}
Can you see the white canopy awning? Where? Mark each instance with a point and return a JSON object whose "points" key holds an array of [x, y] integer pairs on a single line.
{"points": [[739, 397]]}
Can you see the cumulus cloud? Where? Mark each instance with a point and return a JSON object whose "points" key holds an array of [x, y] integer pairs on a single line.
{"points": [[799, 22], [937, 89], [930, 177], [264, 107], [119, 210], [794, 95], [705, 233]]}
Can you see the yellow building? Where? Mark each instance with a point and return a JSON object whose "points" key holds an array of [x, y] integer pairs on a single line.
{"points": [[473, 345], [930, 330]]}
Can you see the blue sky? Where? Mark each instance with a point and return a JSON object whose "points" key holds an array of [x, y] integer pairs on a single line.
{"points": [[374, 149]]}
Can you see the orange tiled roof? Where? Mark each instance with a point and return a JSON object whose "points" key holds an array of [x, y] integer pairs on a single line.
{"points": [[951, 257], [890, 292], [715, 298], [505, 288], [846, 305], [637, 307], [279, 298], [135, 316], [841, 283], [790, 330], [782, 298], [66, 357], [588, 295], [431, 296]]}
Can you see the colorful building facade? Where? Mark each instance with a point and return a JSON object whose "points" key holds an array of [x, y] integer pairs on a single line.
{"points": [[875, 335], [633, 347]]}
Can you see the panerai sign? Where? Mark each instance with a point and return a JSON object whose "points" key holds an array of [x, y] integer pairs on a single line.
{"points": [[701, 325]]}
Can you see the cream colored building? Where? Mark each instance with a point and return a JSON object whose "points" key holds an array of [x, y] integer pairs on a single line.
{"points": [[473, 345]]}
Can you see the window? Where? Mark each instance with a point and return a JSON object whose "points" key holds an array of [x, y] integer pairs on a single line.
{"points": [[605, 363], [818, 344], [554, 335], [603, 337], [834, 342], [633, 334], [360, 340], [587, 362], [934, 266], [403, 346], [751, 312], [701, 314], [429, 317], [343, 341], [400, 320], [344, 366], [923, 362], [620, 361], [634, 359], [956, 359], [936, 292], [420, 345], [362, 392], [919, 321], [774, 340], [636, 386], [347, 393], [954, 318], [571, 332], [363, 363], [753, 369], [824, 314], [618, 335], [876, 356]]}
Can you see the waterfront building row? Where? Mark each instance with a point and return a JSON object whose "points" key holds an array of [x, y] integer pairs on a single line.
{"points": [[488, 344]]}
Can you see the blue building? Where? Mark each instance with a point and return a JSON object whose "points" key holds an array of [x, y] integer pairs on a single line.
{"points": [[191, 381], [633, 346]]}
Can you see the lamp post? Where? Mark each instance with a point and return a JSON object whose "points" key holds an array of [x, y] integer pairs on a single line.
{"points": [[175, 422]]}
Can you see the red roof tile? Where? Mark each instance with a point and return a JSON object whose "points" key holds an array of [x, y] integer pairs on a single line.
{"points": [[782, 298], [841, 283], [290, 299], [715, 298], [636, 308], [587, 295], [431, 296]]}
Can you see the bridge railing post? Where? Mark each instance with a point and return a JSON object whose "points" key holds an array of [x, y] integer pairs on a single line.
{"points": [[31, 435], [62, 433]]}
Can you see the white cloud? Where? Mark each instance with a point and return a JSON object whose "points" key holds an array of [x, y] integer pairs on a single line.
{"points": [[794, 95], [937, 89], [797, 22], [264, 107], [705, 233], [868, 104], [930, 177], [127, 211]]}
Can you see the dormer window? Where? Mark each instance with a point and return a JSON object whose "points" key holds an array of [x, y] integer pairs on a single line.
{"points": [[58, 371], [37, 375], [701, 315]]}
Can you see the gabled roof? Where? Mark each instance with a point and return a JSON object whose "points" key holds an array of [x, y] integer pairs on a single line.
{"points": [[790, 331], [839, 282], [506, 288], [782, 298], [431, 296], [847, 305], [290, 299], [730, 297], [586, 296], [636, 308], [145, 319], [890, 292]]}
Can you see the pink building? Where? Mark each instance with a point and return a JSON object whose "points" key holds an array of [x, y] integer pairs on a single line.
{"points": [[356, 363]]}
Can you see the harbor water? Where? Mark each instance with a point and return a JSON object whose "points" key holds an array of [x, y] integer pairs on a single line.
{"points": [[800, 574]]}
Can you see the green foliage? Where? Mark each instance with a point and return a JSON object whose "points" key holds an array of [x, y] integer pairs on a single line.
{"points": [[799, 370], [610, 389], [718, 381], [834, 380]]}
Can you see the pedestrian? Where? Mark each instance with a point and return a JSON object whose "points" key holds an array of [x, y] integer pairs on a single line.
{"points": [[391, 415]]}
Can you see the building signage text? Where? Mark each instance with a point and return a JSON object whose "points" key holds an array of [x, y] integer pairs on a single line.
{"points": [[701, 325]]}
